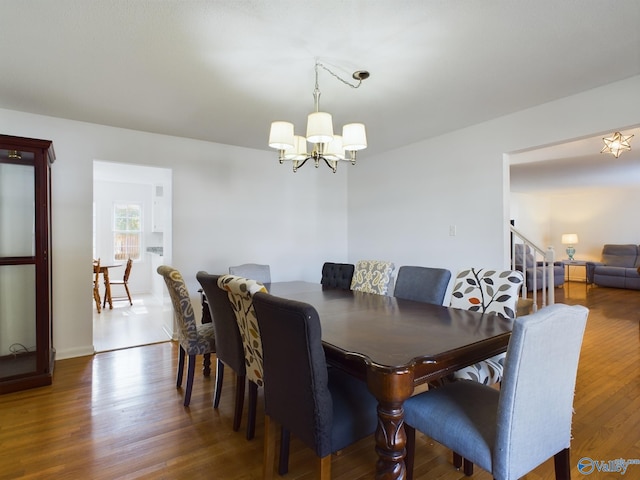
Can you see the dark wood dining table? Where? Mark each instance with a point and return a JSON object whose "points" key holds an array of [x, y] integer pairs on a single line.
{"points": [[395, 346]]}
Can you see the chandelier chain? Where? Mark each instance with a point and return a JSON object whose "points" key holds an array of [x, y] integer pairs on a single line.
{"points": [[318, 64]]}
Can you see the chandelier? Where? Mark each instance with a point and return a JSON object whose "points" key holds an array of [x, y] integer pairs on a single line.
{"points": [[324, 145], [616, 144]]}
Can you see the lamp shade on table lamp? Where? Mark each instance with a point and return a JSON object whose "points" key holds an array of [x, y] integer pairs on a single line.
{"points": [[570, 239]]}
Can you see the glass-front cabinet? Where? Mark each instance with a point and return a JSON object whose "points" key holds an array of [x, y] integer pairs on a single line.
{"points": [[26, 351]]}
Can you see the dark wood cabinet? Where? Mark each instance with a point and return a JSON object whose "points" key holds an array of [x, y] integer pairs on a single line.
{"points": [[26, 352]]}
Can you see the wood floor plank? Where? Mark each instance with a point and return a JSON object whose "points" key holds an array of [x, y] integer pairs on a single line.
{"points": [[118, 415]]}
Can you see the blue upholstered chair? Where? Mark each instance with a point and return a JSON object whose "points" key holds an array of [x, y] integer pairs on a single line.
{"points": [[422, 284], [373, 276], [325, 408], [509, 432], [254, 271], [229, 347], [337, 275], [194, 339]]}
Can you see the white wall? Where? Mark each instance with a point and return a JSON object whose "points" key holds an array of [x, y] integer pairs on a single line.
{"points": [[230, 205], [402, 202], [234, 205]]}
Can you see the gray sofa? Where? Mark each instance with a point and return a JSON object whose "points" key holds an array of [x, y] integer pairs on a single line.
{"points": [[618, 267]]}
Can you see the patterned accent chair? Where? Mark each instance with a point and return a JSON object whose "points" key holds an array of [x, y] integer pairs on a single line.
{"points": [[373, 276], [326, 408], [337, 275], [194, 339], [254, 271], [509, 432], [485, 291]]}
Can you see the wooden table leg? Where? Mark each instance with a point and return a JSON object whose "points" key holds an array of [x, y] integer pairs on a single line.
{"points": [[391, 390]]}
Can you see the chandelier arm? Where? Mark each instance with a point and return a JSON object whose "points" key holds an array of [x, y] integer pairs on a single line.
{"points": [[318, 64], [332, 164]]}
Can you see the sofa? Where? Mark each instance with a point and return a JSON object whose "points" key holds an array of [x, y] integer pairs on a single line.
{"points": [[618, 267], [535, 268]]}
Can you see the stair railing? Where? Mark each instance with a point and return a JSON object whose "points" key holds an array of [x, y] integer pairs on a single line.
{"points": [[542, 259]]}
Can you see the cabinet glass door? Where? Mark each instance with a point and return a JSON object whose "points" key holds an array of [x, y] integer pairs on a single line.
{"points": [[18, 339]]}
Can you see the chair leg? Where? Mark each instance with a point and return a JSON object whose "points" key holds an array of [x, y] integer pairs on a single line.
{"points": [[467, 468], [219, 377], [561, 461], [325, 468], [206, 365], [253, 402], [457, 460], [283, 463], [126, 287], [191, 369], [269, 448], [181, 354], [237, 416], [410, 447]]}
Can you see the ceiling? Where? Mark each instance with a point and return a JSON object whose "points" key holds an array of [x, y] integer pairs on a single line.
{"points": [[222, 70]]}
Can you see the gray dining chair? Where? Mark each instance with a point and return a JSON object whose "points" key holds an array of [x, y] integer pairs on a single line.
{"points": [[254, 271], [229, 343], [510, 431], [327, 409], [422, 284]]}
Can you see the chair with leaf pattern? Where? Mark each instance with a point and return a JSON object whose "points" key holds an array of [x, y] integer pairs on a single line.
{"points": [[485, 291]]}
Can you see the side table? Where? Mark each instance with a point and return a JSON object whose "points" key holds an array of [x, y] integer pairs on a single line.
{"points": [[574, 263]]}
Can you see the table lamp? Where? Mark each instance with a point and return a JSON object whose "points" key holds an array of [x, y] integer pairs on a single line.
{"points": [[570, 239]]}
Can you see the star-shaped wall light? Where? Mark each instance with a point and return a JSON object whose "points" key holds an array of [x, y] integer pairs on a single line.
{"points": [[616, 144]]}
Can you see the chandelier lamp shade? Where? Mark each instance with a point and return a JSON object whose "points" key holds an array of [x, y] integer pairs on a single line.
{"points": [[616, 144], [320, 143], [570, 239]]}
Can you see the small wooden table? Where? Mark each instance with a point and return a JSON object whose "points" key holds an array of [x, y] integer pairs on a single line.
{"points": [[396, 345]]}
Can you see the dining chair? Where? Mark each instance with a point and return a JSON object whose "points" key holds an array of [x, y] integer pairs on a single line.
{"points": [[484, 291], [337, 275], [509, 432], [326, 409], [422, 284], [193, 339], [254, 271], [96, 283], [124, 282], [229, 349], [373, 276], [240, 292]]}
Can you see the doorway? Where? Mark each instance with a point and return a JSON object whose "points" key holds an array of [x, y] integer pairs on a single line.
{"points": [[142, 233]]}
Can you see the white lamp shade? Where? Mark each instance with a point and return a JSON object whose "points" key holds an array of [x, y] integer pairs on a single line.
{"points": [[281, 135], [335, 148], [569, 238], [354, 136], [299, 150], [319, 127]]}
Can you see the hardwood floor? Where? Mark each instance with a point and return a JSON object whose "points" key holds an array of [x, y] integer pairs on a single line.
{"points": [[118, 415]]}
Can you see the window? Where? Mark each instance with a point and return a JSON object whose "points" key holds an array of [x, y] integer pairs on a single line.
{"points": [[127, 231]]}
